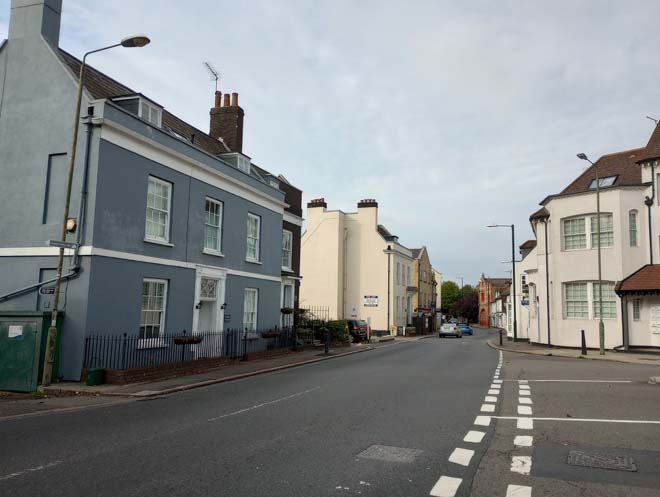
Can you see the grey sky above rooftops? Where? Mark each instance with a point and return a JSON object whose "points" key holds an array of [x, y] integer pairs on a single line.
{"points": [[451, 115]]}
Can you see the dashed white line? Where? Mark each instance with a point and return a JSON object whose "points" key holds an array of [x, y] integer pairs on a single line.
{"points": [[518, 491], [523, 382], [524, 410], [588, 420], [497, 381], [263, 404], [523, 387], [495, 385], [30, 470], [461, 456], [474, 437], [525, 400], [488, 398], [493, 391], [523, 441], [523, 423], [488, 408], [521, 464], [446, 486], [482, 420], [524, 392]]}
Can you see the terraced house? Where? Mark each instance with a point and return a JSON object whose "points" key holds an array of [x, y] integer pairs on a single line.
{"points": [[177, 228]]}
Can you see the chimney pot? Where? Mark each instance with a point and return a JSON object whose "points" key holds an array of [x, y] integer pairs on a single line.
{"points": [[226, 102], [234, 99], [218, 98]]}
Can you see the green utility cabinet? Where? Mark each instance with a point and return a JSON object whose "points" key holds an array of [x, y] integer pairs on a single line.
{"points": [[23, 337]]}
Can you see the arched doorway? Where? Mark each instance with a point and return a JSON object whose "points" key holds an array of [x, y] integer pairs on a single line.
{"points": [[483, 320]]}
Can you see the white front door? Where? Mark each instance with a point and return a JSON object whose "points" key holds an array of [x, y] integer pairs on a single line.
{"points": [[208, 310]]}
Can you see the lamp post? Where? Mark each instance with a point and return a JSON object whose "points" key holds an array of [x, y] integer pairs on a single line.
{"points": [[135, 41], [389, 252], [601, 325], [513, 273]]}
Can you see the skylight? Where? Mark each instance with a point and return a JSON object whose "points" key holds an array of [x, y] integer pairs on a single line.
{"points": [[603, 182]]}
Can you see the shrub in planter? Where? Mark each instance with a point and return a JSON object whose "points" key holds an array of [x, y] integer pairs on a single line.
{"points": [[338, 330]]}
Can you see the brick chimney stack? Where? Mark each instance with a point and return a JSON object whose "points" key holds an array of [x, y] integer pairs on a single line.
{"points": [[227, 121]]}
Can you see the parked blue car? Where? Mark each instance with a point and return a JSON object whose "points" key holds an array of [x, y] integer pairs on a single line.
{"points": [[465, 329]]}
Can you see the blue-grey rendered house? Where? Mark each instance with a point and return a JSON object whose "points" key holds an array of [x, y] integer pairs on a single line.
{"points": [[176, 228]]}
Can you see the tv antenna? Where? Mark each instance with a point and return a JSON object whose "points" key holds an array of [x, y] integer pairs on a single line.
{"points": [[652, 119], [213, 72]]}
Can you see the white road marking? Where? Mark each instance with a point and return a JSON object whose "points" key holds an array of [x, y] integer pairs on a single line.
{"points": [[30, 470], [495, 385], [524, 392], [578, 381], [497, 381], [523, 441], [524, 423], [523, 382], [525, 410], [446, 486], [488, 408], [264, 404], [523, 387], [482, 420], [521, 464], [586, 420], [518, 491], [488, 398], [493, 391], [461, 456], [474, 437], [524, 400], [495, 377]]}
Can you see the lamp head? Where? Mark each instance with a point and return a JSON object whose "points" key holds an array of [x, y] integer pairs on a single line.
{"points": [[582, 156], [135, 41]]}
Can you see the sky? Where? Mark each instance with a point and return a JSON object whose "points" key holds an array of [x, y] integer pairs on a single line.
{"points": [[453, 115]]}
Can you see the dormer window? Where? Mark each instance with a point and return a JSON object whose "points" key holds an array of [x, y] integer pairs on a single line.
{"points": [[238, 160], [244, 164], [141, 107], [603, 182], [274, 183]]}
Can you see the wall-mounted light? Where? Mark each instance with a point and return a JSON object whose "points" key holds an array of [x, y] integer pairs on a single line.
{"points": [[71, 224]]}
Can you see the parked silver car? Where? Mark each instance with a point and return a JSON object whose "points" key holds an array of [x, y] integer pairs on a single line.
{"points": [[450, 330]]}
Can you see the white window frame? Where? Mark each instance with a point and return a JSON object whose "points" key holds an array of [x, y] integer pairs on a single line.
{"points": [[255, 292], [632, 228], [168, 212], [565, 301], [153, 342], [408, 275], [217, 250], [398, 274], [595, 304], [243, 163], [151, 113], [636, 309], [287, 262], [590, 234], [257, 255], [603, 182]]}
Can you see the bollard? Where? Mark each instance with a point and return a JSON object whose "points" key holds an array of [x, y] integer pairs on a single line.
{"points": [[500, 336], [584, 343], [327, 340]]}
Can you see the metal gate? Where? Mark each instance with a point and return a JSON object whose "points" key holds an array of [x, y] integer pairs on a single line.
{"points": [[20, 344]]}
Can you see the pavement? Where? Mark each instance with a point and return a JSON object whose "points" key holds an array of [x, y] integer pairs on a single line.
{"points": [[616, 356]]}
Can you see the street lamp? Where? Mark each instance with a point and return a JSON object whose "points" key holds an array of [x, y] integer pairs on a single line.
{"points": [[135, 41], [601, 325], [513, 273]]}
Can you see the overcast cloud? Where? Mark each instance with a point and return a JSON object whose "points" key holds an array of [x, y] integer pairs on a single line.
{"points": [[451, 114]]}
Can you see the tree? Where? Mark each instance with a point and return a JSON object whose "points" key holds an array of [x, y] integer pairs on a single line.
{"points": [[468, 305], [451, 292]]}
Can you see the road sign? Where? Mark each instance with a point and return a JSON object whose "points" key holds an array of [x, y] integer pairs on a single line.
{"points": [[61, 244]]}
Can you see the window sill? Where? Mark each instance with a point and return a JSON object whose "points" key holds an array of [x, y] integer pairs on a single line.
{"points": [[252, 261], [151, 343], [158, 242], [288, 270], [212, 252]]}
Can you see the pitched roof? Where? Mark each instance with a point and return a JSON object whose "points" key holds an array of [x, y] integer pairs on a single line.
{"points": [[652, 150], [644, 280], [499, 281], [540, 214], [102, 86], [384, 232], [528, 245], [623, 165]]}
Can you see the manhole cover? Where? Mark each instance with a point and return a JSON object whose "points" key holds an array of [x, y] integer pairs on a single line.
{"points": [[602, 461], [390, 454]]}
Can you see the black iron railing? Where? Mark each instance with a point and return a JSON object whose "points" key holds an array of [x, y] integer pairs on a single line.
{"points": [[129, 351]]}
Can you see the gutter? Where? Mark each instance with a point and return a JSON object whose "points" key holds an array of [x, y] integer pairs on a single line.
{"points": [[648, 201]]}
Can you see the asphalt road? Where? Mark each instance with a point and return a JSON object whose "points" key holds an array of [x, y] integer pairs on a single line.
{"points": [[293, 433]]}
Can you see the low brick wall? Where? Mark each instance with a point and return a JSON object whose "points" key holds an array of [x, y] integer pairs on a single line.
{"points": [[164, 371]]}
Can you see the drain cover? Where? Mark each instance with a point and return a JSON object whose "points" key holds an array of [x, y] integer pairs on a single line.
{"points": [[602, 461], [390, 454]]}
